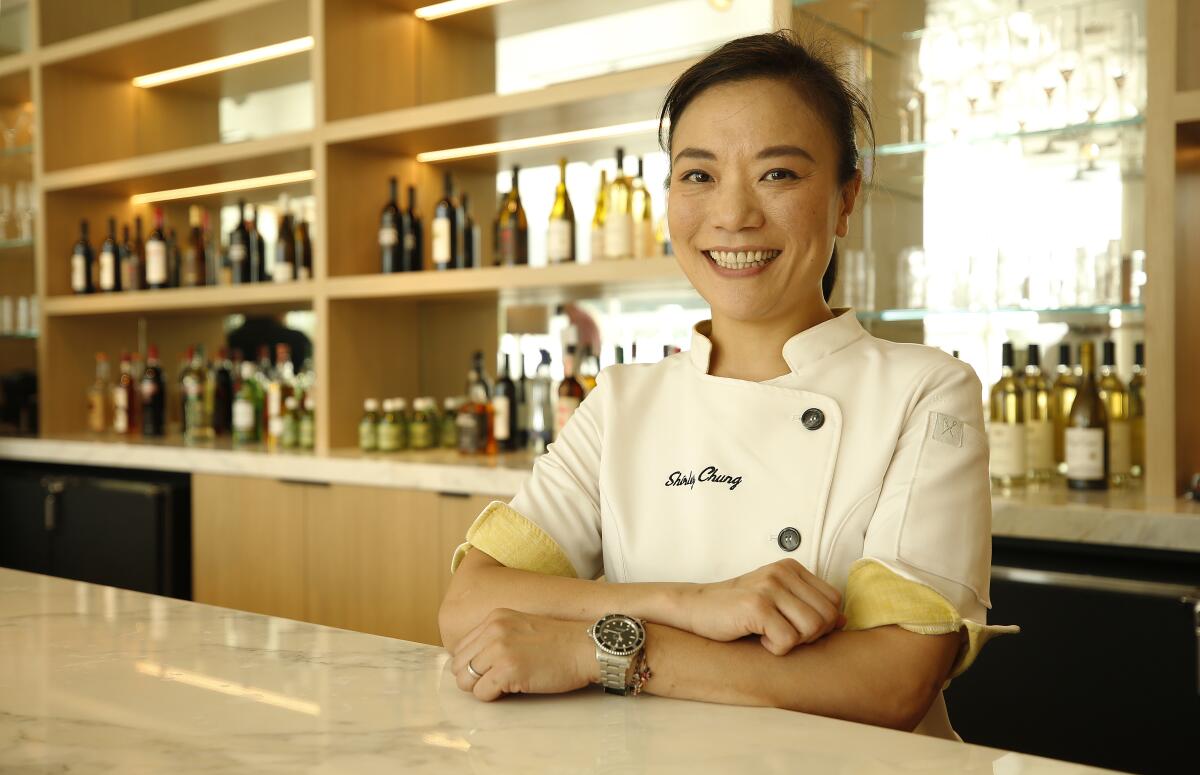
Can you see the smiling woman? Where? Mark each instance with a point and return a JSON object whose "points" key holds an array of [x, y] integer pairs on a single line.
{"points": [[841, 566]]}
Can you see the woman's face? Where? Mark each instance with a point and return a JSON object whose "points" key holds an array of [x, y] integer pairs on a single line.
{"points": [[754, 201]]}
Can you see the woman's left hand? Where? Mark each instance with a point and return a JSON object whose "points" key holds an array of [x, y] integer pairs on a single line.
{"points": [[522, 653]]}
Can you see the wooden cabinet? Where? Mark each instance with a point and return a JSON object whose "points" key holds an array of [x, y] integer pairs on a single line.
{"points": [[372, 559]]}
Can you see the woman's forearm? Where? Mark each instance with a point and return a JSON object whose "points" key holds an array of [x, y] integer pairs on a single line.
{"points": [[885, 676]]}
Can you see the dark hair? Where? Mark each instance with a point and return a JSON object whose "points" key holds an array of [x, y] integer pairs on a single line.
{"points": [[811, 70]]}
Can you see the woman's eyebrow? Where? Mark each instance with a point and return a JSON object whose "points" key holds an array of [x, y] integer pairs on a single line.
{"points": [[696, 153], [784, 150]]}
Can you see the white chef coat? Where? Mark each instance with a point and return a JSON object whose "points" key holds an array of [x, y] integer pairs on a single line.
{"points": [[866, 448]]}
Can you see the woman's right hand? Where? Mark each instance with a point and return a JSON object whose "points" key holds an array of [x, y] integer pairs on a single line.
{"points": [[783, 603]]}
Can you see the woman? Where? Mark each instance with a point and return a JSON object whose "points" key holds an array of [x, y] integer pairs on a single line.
{"points": [[791, 514]]}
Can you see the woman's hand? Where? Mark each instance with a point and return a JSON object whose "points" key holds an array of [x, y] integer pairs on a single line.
{"points": [[783, 603], [522, 653]]}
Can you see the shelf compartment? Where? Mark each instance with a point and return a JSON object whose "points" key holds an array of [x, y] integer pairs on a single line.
{"points": [[266, 297], [1187, 106]]}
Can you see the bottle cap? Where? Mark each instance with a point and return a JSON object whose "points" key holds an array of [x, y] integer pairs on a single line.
{"points": [[291, 402], [399, 404], [371, 405]]}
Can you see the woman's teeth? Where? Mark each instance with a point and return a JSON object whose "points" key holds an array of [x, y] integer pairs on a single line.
{"points": [[741, 259]]}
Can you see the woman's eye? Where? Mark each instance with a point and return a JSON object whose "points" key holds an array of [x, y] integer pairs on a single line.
{"points": [[779, 175], [696, 176]]}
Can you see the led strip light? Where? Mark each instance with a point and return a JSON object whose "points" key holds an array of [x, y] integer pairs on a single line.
{"points": [[543, 141], [246, 184], [209, 66]]}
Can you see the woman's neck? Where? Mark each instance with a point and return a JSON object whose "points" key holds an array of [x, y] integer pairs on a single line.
{"points": [[753, 350]]}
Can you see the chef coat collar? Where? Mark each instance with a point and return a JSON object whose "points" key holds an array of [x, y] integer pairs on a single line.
{"points": [[803, 349]]}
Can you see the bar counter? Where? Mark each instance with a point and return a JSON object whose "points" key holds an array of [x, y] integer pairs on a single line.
{"points": [[96, 679]]}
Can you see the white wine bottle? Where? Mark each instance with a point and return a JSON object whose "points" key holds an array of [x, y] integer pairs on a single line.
{"points": [[560, 238], [599, 219], [1062, 395], [644, 243], [618, 226], [1087, 430], [1116, 405], [1006, 431], [1137, 411], [1039, 427]]}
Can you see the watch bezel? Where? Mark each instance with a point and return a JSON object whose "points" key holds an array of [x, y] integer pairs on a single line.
{"points": [[594, 631]]}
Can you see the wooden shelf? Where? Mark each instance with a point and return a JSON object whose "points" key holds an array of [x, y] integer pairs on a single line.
{"points": [[232, 299], [495, 281], [1187, 106], [16, 63]]}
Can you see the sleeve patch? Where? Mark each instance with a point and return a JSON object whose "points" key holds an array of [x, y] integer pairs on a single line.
{"points": [[947, 429]]}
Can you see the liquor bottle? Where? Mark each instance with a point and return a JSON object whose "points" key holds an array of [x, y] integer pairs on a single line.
{"points": [[472, 247], [154, 397], [220, 377], [218, 272], [589, 368], [504, 410], [291, 424], [198, 404], [644, 241], [1006, 431], [110, 260], [599, 219], [422, 430], [137, 369], [82, 270], [1039, 426], [475, 431], [400, 408], [448, 247], [281, 383], [1087, 430], [448, 426], [157, 275], [284, 270], [560, 238], [1066, 384], [541, 409], [130, 268], [1137, 411], [256, 250], [185, 368], [307, 430], [388, 430], [194, 271], [570, 392], [304, 247], [391, 229], [123, 397], [618, 224], [99, 397], [514, 228], [239, 248], [521, 430], [414, 246], [1116, 407], [480, 375], [246, 407], [139, 248], [368, 426], [174, 260]]}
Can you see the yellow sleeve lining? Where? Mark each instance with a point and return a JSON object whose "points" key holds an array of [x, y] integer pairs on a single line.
{"points": [[515, 542], [876, 596]]}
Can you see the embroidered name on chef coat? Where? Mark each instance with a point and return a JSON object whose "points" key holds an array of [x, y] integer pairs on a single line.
{"points": [[710, 475]]}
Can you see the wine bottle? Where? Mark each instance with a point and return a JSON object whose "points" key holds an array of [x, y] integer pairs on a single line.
{"points": [[153, 392], [472, 247], [1087, 430], [1137, 412], [414, 244], [1006, 431], [194, 271], [1062, 395], [504, 410], [599, 218], [1116, 406], [81, 263], [139, 248], [239, 248], [448, 230], [256, 250], [1039, 426], [570, 392], [99, 397], [174, 259], [514, 228], [110, 260], [618, 224], [220, 378], [560, 239], [123, 398], [304, 247], [391, 247], [156, 257], [131, 269], [644, 242], [284, 270]]}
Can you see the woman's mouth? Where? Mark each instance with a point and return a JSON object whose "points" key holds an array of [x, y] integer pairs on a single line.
{"points": [[735, 260]]}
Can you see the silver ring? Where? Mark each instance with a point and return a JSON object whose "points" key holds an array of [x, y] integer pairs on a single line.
{"points": [[471, 670]]}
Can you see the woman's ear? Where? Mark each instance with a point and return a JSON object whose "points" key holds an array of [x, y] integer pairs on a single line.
{"points": [[849, 197]]}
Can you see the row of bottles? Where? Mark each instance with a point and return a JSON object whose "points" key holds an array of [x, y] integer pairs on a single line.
{"points": [[623, 226], [1090, 430], [161, 261], [250, 401]]}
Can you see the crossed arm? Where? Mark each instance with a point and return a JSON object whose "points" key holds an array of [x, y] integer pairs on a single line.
{"points": [[800, 659]]}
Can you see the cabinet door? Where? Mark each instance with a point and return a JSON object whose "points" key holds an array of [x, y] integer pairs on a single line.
{"points": [[455, 514], [24, 535], [113, 532], [248, 544]]}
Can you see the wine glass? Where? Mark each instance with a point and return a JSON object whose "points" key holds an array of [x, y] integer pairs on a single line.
{"points": [[25, 209], [6, 209], [1067, 59]]}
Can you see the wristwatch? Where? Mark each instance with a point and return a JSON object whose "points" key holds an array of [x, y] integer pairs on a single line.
{"points": [[619, 639]]}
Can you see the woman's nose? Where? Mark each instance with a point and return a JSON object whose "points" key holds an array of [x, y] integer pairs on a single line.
{"points": [[736, 207]]}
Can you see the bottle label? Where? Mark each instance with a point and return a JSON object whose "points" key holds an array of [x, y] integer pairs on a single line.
{"points": [[156, 262], [618, 236], [468, 432], [566, 408], [1007, 443], [643, 238], [389, 437], [441, 240], [96, 411], [307, 432], [508, 246], [243, 416], [410, 241], [303, 273], [1085, 453], [120, 410], [368, 435], [1120, 446], [237, 253], [388, 236], [597, 243], [421, 435], [283, 271], [500, 423], [127, 275], [1039, 445], [149, 388], [108, 271], [559, 241], [78, 273]]}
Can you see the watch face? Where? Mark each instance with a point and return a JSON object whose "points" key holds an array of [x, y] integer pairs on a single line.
{"points": [[620, 635]]}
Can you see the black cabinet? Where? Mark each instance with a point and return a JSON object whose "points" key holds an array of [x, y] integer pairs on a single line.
{"points": [[119, 528]]}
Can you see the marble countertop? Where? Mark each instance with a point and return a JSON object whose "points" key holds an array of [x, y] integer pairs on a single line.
{"points": [[96, 679], [1046, 512]]}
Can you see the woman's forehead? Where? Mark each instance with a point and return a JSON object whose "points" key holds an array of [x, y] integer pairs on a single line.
{"points": [[746, 116]]}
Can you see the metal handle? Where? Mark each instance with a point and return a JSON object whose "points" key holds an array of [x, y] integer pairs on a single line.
{"points": [[54, 488], [1095, 583]]}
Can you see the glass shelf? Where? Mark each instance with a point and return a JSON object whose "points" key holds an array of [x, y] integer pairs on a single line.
{"points": [[22, 335], [905, 149], [14, 244], [896, 315], [17, 151]]}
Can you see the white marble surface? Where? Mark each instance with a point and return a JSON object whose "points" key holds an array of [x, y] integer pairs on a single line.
{"points": [[94, 679]]}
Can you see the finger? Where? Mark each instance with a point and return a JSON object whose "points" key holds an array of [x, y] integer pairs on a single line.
{"points": [[808, 622], [812, 594], [778, 635], [495, 680], [465, 679], [827, 590], [468, 644]]}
